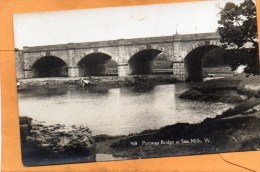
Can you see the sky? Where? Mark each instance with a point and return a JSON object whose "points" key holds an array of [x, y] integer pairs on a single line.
{"points": [[73, 26]]}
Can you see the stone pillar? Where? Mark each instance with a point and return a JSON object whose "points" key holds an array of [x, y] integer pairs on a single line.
{"points": [[178, 70], [28, 73], [123, 70], [123, 67], [71, 58], [19, 64], [73, 72], [27, 68]]}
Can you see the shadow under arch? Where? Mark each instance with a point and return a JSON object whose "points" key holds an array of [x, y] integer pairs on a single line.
{"points": [[141, 62], [97, 64], [50, 66], [196, 59]]}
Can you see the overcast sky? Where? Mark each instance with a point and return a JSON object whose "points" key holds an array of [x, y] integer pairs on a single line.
{"points": [[47, 28]]}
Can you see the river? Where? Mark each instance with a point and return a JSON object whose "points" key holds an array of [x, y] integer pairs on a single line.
{"points": [[116, 111]]}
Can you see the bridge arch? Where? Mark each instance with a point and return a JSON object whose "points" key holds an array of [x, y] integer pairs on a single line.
{"points": [[97, 64], [49, 66], [193, 61], [142, 62], [204, 43]]}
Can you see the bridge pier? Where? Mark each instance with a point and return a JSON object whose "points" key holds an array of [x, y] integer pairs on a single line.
{"points": [[179, 70], [73, 72], [28, 73], [123, 70]]}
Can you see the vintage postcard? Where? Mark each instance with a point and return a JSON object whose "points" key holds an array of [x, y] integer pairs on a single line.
{"points": [[138, 81]]}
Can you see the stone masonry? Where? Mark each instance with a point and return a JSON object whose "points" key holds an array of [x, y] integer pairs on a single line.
{"points": [[175, 48]]}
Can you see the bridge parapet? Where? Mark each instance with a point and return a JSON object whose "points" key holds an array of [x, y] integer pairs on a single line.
{"points": [[196, 37], [125, 42]]}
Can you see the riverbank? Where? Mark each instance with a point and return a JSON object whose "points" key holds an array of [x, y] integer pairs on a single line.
{"points": [[235, 89], [237, 129], [97, 81]]}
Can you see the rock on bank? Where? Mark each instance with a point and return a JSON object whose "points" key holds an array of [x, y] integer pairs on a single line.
{"points": [[53, 144]]}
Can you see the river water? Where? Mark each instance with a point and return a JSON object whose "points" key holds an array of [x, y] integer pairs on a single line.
{"points": [[116, 111]]}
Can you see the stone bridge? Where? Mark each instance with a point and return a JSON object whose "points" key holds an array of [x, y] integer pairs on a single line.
{"points": [[131, 56]]}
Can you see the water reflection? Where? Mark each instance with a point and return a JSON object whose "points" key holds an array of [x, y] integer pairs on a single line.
{"points": [[42, 92], [116, 111], [143, 88], [95, 90]]}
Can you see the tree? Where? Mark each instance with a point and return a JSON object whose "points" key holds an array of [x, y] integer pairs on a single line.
{"points": [[238, 32]]}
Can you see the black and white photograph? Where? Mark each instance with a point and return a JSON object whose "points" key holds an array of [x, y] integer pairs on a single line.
{"points": [[136, 82]]}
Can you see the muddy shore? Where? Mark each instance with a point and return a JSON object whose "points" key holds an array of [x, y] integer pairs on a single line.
{"points": [[236, 131], [235, 89], [105, 81]]}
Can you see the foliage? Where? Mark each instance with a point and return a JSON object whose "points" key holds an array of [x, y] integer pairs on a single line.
{"points": [[238, 24], [214, 58], [236, 57], [238, 31]]}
